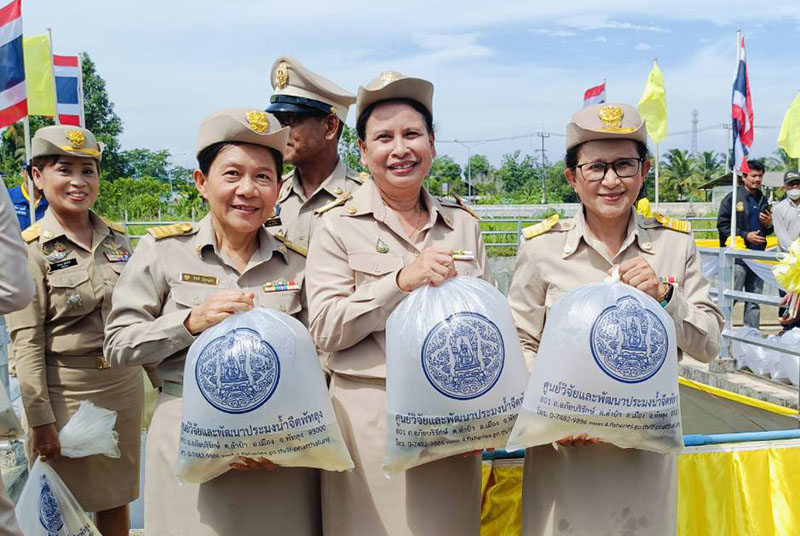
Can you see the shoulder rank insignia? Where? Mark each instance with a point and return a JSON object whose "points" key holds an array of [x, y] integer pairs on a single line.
{"points": [[540, 228], [166, 231], [682, 226], [355, 177], [333, 204], [290, 245], [32, 233], [114, 226], [464, 205]]}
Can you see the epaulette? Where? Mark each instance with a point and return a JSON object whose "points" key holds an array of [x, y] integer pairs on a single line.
{"points": [[114, 226], [463, 204], [682, 226], [291, 245], [333, 204], [32, 233], [356, 177], [166, 231], [540, 228]]}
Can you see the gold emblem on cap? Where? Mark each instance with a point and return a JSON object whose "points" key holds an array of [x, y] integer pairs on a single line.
{"points": [[334, 110], [282, 75], [258, 121], [611, 116], [387, 77], [76, 138]]}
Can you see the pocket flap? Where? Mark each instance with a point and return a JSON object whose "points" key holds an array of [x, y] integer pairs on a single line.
{"points": [[285, 302], [191, 295], [69, 279], [375, 263]]}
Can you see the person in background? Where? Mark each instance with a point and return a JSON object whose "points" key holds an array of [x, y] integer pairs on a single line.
{"points": [[579, 487], [20, 197], [16, 292], [786, 220], [753, 224], [75, 258]]}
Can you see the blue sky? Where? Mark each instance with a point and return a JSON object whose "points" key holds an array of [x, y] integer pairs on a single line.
{"points": [[500, 68]]}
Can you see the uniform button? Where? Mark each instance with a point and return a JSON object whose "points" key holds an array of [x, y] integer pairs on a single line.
{"points": [[283, 307], [351, 210], [567, 249], [337, 190], [302, 237], [197, 300], [416, 253], [647, 246]]}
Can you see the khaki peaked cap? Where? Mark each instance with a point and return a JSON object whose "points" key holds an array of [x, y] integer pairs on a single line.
{"points": [[393, 85], [605, 121], [243, 126], [67, 140]]}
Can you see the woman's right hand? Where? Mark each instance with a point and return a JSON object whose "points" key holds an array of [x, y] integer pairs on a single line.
{"points": [[432, 267], [45, 442], [217, 308]]}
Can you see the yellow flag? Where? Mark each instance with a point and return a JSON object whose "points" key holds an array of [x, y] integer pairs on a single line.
{"points": [[789, 138], [653, 105], [39, 75]]}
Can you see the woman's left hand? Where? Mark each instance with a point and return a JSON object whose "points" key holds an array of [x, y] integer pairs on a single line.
{"points": [[638, 273], [251, 464]]}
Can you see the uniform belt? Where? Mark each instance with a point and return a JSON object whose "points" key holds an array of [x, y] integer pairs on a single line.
{"points": [[172, 389], [91, 362]]}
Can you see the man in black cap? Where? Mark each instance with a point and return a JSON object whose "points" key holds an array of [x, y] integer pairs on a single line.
{"points": [[315, 110]]}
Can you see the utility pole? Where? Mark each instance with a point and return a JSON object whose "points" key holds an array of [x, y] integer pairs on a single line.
{"points": [[543, 135], [469, 146], [695, 121], [729, 135]]}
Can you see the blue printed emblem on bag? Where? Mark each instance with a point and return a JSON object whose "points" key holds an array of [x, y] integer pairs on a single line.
{"points": [[629, 343], [49, 511], [238, 372], [463, 355]]}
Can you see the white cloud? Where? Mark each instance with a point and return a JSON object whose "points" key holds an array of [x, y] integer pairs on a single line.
{"points": [[643, 46], [589, 21], [600, 39], [554, 32]]}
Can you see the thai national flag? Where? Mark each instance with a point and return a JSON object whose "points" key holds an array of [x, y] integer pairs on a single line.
{"points": [[68, 92], [742, 114], [13, 95], [595, 95]]}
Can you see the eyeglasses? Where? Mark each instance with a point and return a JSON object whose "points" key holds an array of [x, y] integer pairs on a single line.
{"points": [[290, 119], [623, 168]]}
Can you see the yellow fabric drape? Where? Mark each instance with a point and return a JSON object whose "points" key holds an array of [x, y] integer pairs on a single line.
{"points": [[743, 489]]}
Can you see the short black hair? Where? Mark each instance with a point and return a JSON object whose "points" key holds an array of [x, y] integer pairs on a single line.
{"points": [[41, 162], [756, 165], [207, 156], [361, 123], [571, 158]]}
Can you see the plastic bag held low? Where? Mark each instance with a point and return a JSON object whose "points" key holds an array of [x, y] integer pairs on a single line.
{"points": [[253, 387], [607, 367], [455, 373]]}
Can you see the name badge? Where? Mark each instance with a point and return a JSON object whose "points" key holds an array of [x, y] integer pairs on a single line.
{"points": [[63, 264], [197, 278], [273, 222]]}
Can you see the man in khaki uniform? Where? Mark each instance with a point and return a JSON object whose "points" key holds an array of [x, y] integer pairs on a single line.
{"points": [[16, 291], [588, 489], [315, 109], [180, 270]]}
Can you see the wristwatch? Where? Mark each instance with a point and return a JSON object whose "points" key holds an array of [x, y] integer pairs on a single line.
{"points": [[667, 295]]}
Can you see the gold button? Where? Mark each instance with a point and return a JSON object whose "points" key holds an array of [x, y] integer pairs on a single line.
{"points": [[283, 307], [647, 246], [447, 220], [337, 190], [282, 248], [351, 210]]}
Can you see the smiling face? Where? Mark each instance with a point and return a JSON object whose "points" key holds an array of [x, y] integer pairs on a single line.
{"points": [[69, 183], [612, 197], [397, 148], [241, 187]]}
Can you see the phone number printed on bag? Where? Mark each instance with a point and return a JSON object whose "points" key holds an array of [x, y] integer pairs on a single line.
{"points": [[463, 355], [628, 342], [238, 372], [49, 512]]}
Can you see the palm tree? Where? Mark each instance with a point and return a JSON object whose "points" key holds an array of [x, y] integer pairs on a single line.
{"points": [[709, 165], [780, 161], [679, 178]]}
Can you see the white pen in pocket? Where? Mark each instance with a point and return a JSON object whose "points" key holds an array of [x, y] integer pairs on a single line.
{"points": [[463, 255]]}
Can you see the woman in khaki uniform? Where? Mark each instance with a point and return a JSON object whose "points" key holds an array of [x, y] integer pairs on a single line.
{"points": [[583, 488], [371, 249], [185, 278], [75, 259]]}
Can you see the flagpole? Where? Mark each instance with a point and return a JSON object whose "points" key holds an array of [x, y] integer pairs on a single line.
{"points": [[734, 175], [80, 89], [55, 88], [658, 157], [31, 188]]}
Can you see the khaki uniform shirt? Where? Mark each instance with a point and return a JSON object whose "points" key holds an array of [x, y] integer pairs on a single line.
{"points": [[16, 287], [298, 220], [568, 256], [167, 277], [786, 221], [352, 268], [63, 325]]}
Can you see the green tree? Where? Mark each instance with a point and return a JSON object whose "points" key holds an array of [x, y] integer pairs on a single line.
{"points": [[517, 173], [679, 179], [445, 171], [138, 199], [348, 150], [780, 161], [101, 118], [709, 165]]}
